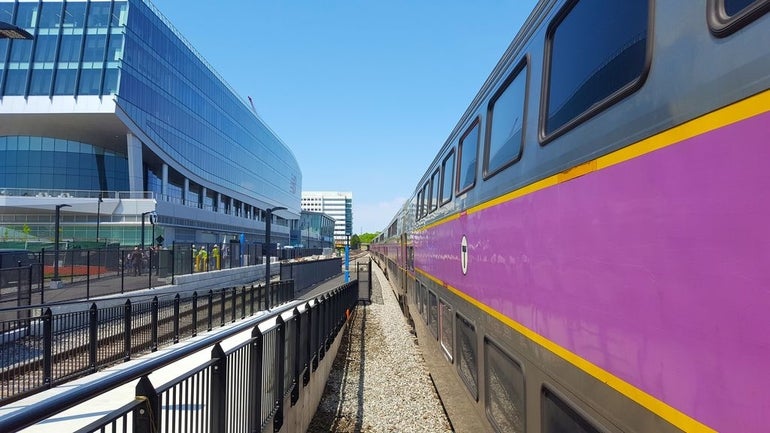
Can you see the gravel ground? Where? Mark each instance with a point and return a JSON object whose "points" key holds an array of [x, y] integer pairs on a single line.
{"points": [[379, 382]]}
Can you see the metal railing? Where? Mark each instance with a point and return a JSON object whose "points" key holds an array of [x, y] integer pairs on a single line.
{"points": [[38, 351], [87, 273], [243, 389]]}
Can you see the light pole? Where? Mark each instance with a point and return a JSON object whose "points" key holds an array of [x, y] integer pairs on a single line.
{"points": [[268, 223], [56, 282], [98, 215], [10, 31]]}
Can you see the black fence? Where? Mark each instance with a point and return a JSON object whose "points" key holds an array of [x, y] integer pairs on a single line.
{"points": [[243, 389], [40, 351], [308, 273], [107, 271]]}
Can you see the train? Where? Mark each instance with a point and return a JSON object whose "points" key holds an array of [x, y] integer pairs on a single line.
{"points": [[589, 250]]}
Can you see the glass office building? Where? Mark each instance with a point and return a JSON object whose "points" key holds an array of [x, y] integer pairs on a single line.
{"points": [[110, 110]]}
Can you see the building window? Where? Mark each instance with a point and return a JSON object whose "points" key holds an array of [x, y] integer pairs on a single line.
{"points": [[15, 82], [90, 81], [75, 14], [558, 416], [50, 16], [26, 14], [45, 50], [504, 390], [506, 123], [20, 51], [94, 49], [41, 82], [99, 15], [70, 48], [447, 177], [65, 82], [467, 150], [597, 54]]}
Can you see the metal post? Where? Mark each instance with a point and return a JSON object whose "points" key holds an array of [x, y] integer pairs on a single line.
{"points": [[268, 223], [98, 215], [347, 259], [56, 246]]}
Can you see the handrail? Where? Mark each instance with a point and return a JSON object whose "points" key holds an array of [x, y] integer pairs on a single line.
{"points": [[74, 396]]}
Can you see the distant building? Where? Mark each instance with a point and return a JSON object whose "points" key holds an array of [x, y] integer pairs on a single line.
{"points": [[111, 111], [338, 205], [314, 230]]}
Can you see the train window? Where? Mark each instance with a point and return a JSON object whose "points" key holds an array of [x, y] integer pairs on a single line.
{"points": [[504, 390], [425, 199], [466, 354], [597, 53], [467, 150], [447, 336], [433, 313], [418, 214], [728, 16], [505, 125], [557, 416], [434, 187], [447, 177]]}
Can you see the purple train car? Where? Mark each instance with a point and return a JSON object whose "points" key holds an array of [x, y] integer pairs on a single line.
{"points": [[590, 248]]}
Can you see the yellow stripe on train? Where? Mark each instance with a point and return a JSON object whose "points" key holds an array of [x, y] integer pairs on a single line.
{"points": [[669, 413], [741, 110]]}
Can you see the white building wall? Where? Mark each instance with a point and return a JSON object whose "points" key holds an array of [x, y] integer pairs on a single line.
{"points": [[332, 203]]}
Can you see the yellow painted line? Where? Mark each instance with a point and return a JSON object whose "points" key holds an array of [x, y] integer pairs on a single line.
{"points": [[741, 110], [665, 411]]}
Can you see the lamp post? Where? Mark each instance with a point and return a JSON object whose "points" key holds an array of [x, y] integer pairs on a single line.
{"points": [[268, 223], [56, 282], [10, 31], [98, 215]]}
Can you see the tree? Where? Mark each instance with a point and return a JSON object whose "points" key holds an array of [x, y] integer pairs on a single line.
{"points": [[355, 242], [366, 238]]}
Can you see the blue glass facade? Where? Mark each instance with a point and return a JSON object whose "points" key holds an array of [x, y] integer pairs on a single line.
{"points": [[48, 163], [201, 144], [196, 119], [76, 50]]}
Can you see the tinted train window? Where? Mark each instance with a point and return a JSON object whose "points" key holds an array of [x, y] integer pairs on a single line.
{"points": [[559, 417], [434, 187], [447, 177], [466, 354], [506, 121], [447, 335], [419, 205], [469, 143], [433, 313], [597, 53], [732, 7], [728, 16], [504, 390], [424, 201]]}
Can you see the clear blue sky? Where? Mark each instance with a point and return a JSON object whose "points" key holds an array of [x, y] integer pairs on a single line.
{"points": [[363, 92]]}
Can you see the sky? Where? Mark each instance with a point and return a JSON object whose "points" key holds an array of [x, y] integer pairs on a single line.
{"points": [[363, 92]]}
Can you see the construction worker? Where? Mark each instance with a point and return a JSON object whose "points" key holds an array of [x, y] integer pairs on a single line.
{"points": [[195, 258], [215, 255], [203, 259]]}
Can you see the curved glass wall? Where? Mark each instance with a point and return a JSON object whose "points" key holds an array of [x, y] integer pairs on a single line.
{"points": [[53, 164], [195, 117]]}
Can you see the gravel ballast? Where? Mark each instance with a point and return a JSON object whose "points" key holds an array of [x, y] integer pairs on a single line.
{"points": [[379, 381]]}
